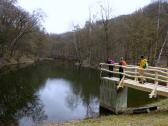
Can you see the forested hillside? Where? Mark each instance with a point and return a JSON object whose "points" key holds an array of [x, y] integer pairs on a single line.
{"points": [[140, 33], [21, 33]]}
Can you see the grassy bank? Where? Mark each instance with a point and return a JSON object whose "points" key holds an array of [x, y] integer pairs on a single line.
{"points": [[158, 118], [152, 119]]}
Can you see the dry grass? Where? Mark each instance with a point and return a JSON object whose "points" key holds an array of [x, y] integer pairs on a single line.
{"points": [[152, 119], [159, 118]]}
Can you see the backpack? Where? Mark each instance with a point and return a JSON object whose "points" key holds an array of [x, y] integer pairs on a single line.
{"points": [[145, 64]]}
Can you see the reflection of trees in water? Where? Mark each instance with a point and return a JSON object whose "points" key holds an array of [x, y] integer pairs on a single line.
{"points": [[18, 98], [11, 113], [88, 84], [73, 100], [32, 110], [85, 89], [17, 90], [92, 107]]}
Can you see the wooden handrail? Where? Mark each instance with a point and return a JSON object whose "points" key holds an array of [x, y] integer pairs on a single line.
{"points": [[155, 74], [137, 67], [132, 71], [133, 76]]}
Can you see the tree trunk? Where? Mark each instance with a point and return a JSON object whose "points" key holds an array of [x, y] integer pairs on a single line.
{"points": [[161, 50]]}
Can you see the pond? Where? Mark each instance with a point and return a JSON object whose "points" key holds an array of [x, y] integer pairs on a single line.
{"points": [[53, 92]]}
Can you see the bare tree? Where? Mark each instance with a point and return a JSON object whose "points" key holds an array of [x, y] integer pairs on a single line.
{"points": [[24, 24], [77, 43], [161, 50], [16, 23], [106, 16], [157, 33]]}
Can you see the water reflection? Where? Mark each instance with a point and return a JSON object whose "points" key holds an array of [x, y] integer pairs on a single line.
{"points": [[60, 102], [17, 100], [47, 92], [52, 92]]}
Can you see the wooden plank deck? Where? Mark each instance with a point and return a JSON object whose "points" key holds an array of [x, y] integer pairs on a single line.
{"points": [[148, 87]]}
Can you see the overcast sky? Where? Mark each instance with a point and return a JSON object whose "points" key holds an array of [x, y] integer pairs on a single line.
{"points": [[62, 14]]}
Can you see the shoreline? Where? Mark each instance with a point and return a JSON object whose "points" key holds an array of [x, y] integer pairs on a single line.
{"points": [[12, 61], [104, 120], [154, 118]]}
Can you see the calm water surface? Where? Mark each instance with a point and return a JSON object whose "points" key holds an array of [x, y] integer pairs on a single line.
{"points": [[52, 92]]}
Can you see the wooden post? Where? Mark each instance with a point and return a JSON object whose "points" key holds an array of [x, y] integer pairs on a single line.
{"points": [[121, 83], [100, 70], [136, 78], [156, 77], [154, 91], [167, 79]]}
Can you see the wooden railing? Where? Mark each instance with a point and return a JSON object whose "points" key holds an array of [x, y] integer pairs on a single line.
{"points": [[155, 75]]}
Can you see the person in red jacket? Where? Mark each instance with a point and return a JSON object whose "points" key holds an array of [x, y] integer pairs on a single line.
{"points": [[121, 69]]}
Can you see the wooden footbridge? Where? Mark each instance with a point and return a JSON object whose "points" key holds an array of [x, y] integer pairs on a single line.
{"points": [[156, 78], [156, 83]]}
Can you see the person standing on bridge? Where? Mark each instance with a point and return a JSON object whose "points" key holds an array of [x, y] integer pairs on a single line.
{"points": [[143, 65], [110, 61], [121, 69]]}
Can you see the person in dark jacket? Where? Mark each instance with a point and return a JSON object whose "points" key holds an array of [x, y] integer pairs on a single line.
{"points": [[110, 61]]}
